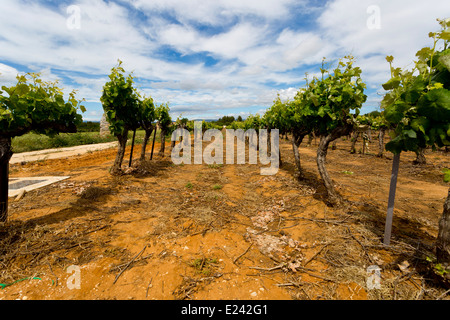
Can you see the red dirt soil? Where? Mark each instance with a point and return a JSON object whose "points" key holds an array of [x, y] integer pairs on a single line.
{"points": [[164, 231]]}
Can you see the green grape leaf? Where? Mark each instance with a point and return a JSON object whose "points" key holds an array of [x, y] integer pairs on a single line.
{"points": [[445, 60], [424, 53], [446, 175], [395, 112], [410, 133], [420, 124], [321, 112], [394, 146], [314, 99], [411, 96], [445, 35], [392, 84], [435, 105], [22, 89]]}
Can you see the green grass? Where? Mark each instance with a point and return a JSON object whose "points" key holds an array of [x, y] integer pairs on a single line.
{"points": [[34, 142], [215, 165], [204, 265], [217, 187]]}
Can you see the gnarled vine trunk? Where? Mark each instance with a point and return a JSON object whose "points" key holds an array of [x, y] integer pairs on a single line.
{"points": [[420, 157], [381, 142], [117, 166], [355, 136], [333, 197], [5, 155], [443, 239], [310, 139], [322, 151], [163, 142], [148, 133], [296, 141], [297, 157]]}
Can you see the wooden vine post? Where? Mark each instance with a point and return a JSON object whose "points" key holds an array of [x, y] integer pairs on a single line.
{"points": [[153, 143], [391, 200], [132, 147]]}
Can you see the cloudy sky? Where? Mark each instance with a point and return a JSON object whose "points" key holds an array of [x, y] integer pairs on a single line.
{"points": [[210, 58]]}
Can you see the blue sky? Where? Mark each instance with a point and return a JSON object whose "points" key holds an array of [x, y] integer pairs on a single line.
{"points": [[210, 58]]}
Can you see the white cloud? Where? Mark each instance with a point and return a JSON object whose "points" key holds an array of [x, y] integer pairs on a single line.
{"points": [[253, 42], [7, 74], [404, 29], [287, 94], [348, 27], [302, 48], [217, 12], [229, 45], [39, 36]]}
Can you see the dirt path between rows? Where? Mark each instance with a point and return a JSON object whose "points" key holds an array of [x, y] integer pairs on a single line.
{"points": [[58, 153], [165, 231]]}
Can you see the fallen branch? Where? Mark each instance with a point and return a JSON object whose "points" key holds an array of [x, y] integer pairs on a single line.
{"points": [[150, 283], [317, 276], [443, 295], [289, 284], [203, 232], [234, 261], [94, 230], [268, 269], [320, 220], [362, 246], [51, 270], [119, 266], [129, 263], [315, 255]]}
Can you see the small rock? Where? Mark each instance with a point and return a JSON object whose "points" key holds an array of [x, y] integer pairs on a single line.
{"points": [[404, 266]]}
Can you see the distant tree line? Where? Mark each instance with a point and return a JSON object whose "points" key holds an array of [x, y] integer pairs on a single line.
{"points": [[88, 126], [227, 120]]}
